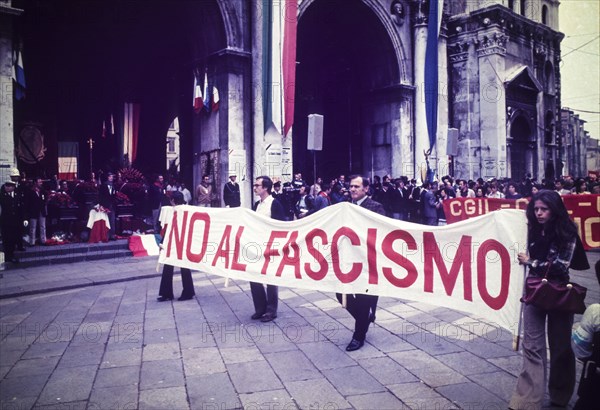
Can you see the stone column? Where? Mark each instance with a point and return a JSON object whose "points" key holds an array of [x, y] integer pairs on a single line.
{"points": [[420, 42], [491, 51], [439, 159], [7, 145]]}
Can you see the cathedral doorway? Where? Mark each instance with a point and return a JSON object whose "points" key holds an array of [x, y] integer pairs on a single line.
{"points": [[521, 151], [347, 68]]}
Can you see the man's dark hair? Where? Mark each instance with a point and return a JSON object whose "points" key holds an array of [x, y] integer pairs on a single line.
{"points": [[325, 186], [177, 198], [267, 183], [365, 181]]}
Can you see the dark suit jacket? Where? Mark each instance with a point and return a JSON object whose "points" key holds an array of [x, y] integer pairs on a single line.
{"points": [[35, 205], [374, 206], [277, 211], [399, 200], [231, 194], [428, 202], [105, 198]]}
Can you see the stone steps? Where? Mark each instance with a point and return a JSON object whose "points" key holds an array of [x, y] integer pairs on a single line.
{"points": [[69, 253]]}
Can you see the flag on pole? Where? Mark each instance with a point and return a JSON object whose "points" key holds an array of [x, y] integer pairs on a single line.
{"points": [[431, 76], [19, 75], [431, 68], [197, 102], [280, 23], [206, 93], [215, 99]]}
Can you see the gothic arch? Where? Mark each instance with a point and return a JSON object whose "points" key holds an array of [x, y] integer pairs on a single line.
{"points": [[383, 15], [521, 144]]}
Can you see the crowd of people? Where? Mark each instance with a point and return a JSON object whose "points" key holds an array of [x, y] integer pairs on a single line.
{"points": [[405, 199], [552, 242]]}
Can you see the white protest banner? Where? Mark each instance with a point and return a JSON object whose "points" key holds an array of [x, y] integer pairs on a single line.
{"points": [[469, 266]]}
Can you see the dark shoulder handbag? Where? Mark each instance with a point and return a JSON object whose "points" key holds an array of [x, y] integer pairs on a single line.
{"points": [[545, 294]]}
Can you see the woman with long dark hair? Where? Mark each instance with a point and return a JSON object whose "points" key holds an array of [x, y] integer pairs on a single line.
{"points": [[552, 242]]}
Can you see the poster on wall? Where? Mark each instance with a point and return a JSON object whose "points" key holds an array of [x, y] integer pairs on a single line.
{"points": [[237, 163]]}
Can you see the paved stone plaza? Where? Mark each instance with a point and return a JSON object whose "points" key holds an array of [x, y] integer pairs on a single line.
{"points": [[113, 346]]}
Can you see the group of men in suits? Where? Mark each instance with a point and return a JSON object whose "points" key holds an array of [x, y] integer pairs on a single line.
{"points": [[362, 307]]}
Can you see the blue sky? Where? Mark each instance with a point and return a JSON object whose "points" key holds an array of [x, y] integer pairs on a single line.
{"points": [[579, 20]]}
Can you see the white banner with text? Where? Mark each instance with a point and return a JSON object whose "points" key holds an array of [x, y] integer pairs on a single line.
{"points": [[469, 266]]}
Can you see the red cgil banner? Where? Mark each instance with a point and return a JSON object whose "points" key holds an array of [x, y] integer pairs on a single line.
{"points": [[584, 210]]}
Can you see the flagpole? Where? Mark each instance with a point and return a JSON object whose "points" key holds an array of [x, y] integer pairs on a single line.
{"points": [[91, 144]]}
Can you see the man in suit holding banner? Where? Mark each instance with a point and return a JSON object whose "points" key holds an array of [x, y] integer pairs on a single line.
{"points": [[361, 307], [265, 300]]}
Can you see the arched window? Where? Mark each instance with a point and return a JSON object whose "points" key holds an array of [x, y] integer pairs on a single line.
{"points": [[549, 128], [545, 14], [523, 7], [548, 77]]}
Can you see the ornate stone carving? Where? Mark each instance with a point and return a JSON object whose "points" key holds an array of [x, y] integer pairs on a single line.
{"points": [[397, 12], [491, 44], [458, 51]]}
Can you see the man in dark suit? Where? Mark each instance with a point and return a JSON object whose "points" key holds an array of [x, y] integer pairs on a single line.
{"points": [[231, 193], [107, 199], [35, 208], [265, 300], [165, 291], [361, 307], [429, 204], [11, 220]]}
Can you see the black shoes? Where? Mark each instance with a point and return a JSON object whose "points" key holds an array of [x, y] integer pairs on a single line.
{"points": [[164, 298], [372, 317], [267, 317], [354, 345], [264, 317], [180, 298]]}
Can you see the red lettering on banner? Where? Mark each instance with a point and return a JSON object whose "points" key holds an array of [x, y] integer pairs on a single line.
{"points": [[462, 258], [389, 252], [372, 256], [235, 264], [223, 248], [497, 302], [197, 216], [318, 256], [175, 233], [335, 255], [269, 251], [288, 260]]}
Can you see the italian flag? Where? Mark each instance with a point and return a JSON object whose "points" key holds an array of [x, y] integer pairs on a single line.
{"points": [[280, 24], [197, 100]]}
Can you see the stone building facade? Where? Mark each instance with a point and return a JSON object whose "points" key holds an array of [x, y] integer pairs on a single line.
{"points": [[579, 151], [360, 63], [504, 64]]}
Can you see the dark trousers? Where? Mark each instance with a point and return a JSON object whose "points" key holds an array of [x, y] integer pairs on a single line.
{"points": [[10, 236], [265, 300], [360, 307], [166, 282], [112, 220]]}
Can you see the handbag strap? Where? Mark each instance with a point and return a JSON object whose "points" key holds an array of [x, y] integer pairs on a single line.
{"points": [[547, 269]]}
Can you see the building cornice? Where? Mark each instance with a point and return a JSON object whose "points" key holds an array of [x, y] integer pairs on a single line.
{"points": [[4, 9], [511, 23]]}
